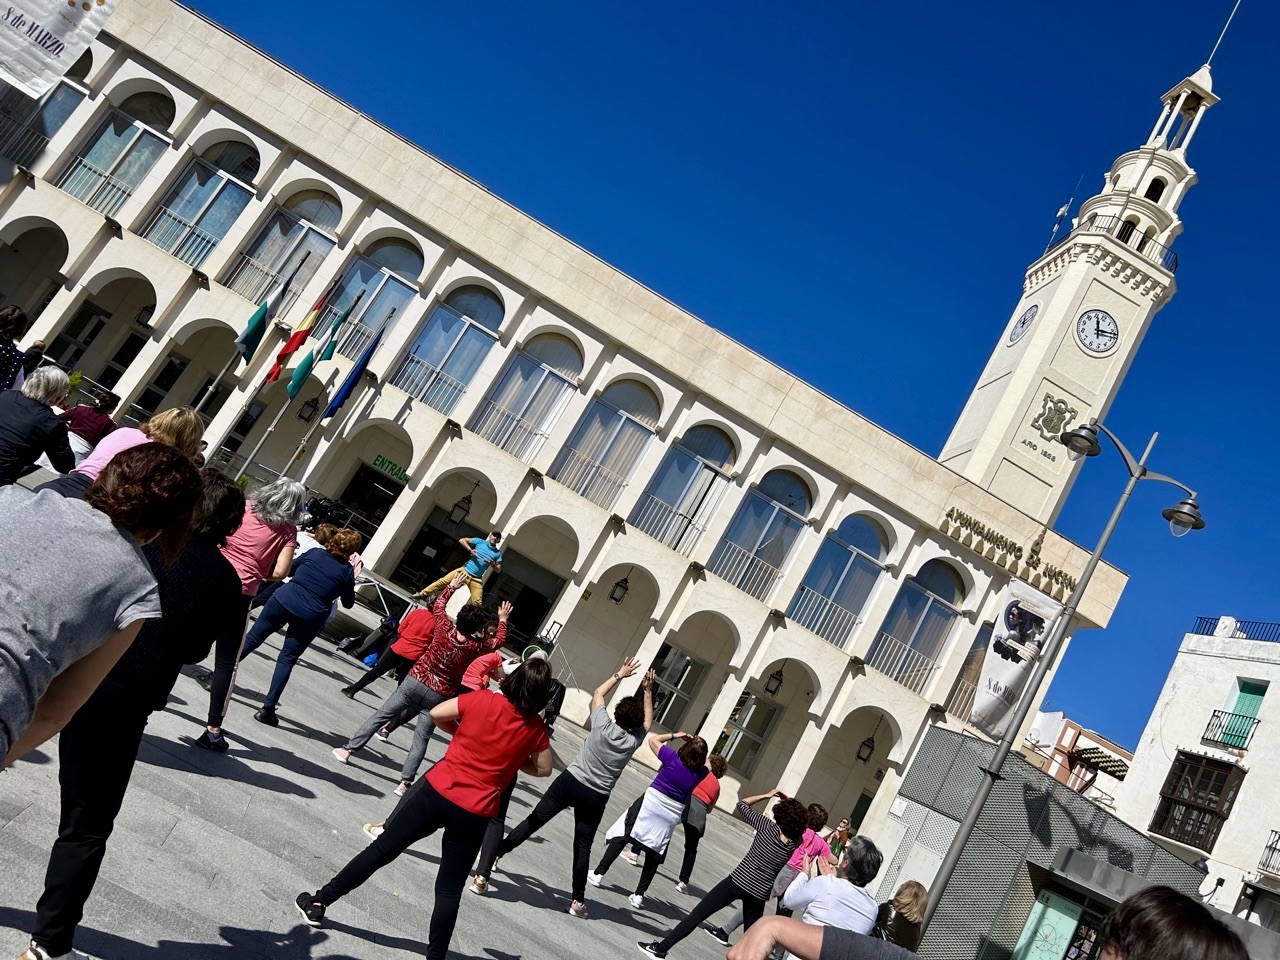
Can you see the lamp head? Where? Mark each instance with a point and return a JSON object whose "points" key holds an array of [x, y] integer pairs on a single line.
{"points": [[1082, 441], [1184, 517]]}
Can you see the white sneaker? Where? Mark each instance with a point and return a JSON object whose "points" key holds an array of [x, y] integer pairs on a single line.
{"points": [[342, 754], [402, 788], [373, 830], [382, 734], [595, 879], [637, 901], [631, 858], [682, 886], [578, 909], [480, 885], [34, 952]]}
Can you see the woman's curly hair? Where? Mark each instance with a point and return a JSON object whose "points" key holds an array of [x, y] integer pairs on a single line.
{"points": [[147, 488]]}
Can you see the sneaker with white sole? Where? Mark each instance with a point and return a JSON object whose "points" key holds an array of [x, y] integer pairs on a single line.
{"points": [[402, 788], [382, 734], [480, 885], [37, 952], [312, 910], [637, 901], [373, 830], [682, 886], [651, 949], [595, 879], [578, 909], [342, 754], [631, 857], [717, 934]]}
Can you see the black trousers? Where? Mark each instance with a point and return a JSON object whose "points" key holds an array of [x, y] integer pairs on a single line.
{"points": [[692, 837], [96, 753], [386, 663], [226, 657], [423, 812], [718, 897], [588, 810], [493, 833]]}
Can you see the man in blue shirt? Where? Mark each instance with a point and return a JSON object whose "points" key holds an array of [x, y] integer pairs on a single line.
{"points": [[484, 554]]}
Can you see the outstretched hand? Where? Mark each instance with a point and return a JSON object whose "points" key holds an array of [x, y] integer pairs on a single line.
{"points": [[629, 667], [649, 678], [459, 579], [504, 610]]}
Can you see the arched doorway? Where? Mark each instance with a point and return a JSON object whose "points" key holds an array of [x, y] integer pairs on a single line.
{"points": [[365, 472], [848, 767], [31, 266], [766, 724], [691, 665]]}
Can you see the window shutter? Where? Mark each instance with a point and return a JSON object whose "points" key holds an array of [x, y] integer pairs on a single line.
{"points": [[1249, 699]]}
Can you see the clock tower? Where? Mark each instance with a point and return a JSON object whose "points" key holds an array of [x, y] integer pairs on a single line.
{"points": [[1086, 305]]}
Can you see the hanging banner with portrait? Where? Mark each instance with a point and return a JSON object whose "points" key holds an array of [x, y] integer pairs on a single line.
{"points": [[1016, 643], [41, 39]]}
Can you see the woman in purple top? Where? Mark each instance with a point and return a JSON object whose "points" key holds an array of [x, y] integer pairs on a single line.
{"points": [[650, 824]]}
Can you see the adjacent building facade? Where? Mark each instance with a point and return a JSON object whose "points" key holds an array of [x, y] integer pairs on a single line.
{"points": [[1084, 760], [1206, 774], [815, 593]]}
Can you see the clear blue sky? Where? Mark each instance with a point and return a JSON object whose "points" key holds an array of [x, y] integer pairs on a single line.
{"points": [[855, 194]]}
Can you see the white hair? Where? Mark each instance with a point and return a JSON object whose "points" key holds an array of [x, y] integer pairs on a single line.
{"points": [[279, 503], [46, 385]]}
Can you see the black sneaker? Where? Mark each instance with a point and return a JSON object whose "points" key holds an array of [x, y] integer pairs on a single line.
{"points": [[268, 716], [312, 910], [716, 934], [348, 692], [209, 742], [205, 679], [653, 949]]}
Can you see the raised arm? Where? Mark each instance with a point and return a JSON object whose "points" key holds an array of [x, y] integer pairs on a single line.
{"points": [[629, 666], [442, 601], [500, 636], [659, 740], [647, 685], [751, 801]]}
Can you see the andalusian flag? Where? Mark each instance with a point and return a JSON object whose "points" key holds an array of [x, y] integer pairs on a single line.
{"points": [[303, 370], [248, 341], [300, 334]]}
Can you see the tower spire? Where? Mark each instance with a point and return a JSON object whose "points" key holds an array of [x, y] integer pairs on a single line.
{"points": [[1225, 26]]}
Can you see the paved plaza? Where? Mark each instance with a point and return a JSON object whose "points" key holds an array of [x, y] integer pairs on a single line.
{"points": [[210, 850]]}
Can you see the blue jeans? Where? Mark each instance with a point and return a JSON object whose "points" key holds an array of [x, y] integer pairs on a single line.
{"points": [[297, 637]]}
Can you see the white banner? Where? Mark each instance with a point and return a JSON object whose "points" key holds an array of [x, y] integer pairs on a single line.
{"points": [[1016, 642], [41, 39]]}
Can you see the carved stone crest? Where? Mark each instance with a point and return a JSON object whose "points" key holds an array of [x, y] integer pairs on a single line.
{"points": [[1055, 416]]}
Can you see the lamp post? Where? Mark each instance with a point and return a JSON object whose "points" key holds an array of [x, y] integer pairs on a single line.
{"points": [[1183, 518]]}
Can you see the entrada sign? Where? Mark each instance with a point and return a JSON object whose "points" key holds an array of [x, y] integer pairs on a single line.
{"points": [[390, 468], [1012, 556]]}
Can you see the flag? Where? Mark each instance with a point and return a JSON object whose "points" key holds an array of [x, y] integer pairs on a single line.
{"points": [[248, 341], [350, 384], [300, 334], [1062, 212], [303, 370]]}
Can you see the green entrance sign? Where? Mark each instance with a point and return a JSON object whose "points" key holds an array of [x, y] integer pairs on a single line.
{"points": [[390, 468]]}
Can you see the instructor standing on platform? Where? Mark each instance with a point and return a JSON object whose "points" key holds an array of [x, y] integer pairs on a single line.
{"points": [[484, 554]]}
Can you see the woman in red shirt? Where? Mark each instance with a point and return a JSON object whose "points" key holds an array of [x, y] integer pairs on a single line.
{"points": [[494, 736], [411, 639]]}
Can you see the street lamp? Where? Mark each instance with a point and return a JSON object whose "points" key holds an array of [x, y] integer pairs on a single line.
{"points": [[1183, 518]]}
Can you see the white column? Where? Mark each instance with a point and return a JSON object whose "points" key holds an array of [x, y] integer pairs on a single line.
{"points": [[802, 757]]}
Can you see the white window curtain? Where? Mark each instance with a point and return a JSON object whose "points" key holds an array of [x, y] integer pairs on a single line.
{"points": [[522, 406], [600, 457]]}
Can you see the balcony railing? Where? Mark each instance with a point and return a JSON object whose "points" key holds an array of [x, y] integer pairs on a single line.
{"points": [[666, 524], [354, 336], [899, 662], [1127, 232], [1245, 629], [429, 384], [960, 703], [588, 479], [95, 187], [506, 430], [823, 616], [743, 569], [252, 280], [1270, 861], [179, 236], [23, 144], [1233, 730]]}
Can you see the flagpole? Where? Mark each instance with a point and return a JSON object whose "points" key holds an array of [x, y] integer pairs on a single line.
{"points": [[270, 430], [235, 354], [311, 430], [1063, 213]]}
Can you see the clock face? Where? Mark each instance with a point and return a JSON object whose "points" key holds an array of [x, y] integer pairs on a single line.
{"points": [[1023, 324], [1097, 331]]}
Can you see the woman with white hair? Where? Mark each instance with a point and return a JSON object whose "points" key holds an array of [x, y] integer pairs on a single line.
{"points": [[30, 428], [262, 549]]}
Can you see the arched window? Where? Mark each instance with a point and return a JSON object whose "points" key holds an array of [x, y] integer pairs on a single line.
{"points": [[685, 491], [80, 69], [204, 202], [26, 125], [763, 533], [917, 625], [121, 151], [527, 399], [839, 582], [398, 256], [608, 442], [450, 348], [960, 702], [1148, 235], [1155, 190], [1127, 227], [294, 237]]}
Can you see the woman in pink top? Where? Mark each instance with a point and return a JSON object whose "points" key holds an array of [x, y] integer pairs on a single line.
{"points": [[262, 549], [180, 427]]}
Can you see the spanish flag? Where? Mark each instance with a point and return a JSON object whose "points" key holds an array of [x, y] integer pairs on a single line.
{"points": [[300, 334]]}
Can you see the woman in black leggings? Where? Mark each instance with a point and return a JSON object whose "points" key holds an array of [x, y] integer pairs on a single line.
{"points": [[751, 881], [494, 735]]}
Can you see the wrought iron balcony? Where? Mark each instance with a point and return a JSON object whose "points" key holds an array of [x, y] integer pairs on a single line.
{"points": [[22, 145], [95, 187], [666, 524], [428, 383], [899, 662], [1269, 864], [1126, 231], [508, 430], [587, 478], [179, 236], [960, 703], [743, 569], [823, 616], [1245, 629], [1233, 730]]}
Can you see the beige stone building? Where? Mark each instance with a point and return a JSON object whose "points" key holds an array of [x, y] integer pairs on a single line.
{"points": [[812, 589]]}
